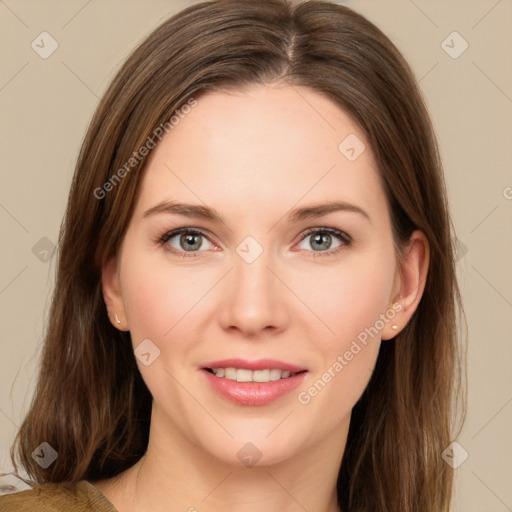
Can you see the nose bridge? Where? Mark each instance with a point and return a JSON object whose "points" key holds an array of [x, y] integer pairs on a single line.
{"points": [[252, 277], [253, 301]]}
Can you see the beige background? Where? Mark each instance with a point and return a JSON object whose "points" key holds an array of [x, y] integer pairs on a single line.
{"points": [[46, 106]]}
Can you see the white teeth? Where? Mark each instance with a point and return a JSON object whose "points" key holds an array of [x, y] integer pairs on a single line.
{"points": [[275, 374], [261, 375], [229, 373], [244, 375]]}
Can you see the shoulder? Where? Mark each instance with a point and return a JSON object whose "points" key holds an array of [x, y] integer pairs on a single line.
{"points": [[51, 497]]}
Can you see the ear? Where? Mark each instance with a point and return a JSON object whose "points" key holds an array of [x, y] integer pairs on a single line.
{"points": [[112, 295], [409, 283]]}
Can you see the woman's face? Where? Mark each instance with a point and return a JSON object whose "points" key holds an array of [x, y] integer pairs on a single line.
{"points": [[274, 279]]}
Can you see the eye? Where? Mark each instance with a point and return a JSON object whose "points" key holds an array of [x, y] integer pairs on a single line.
{"points": [[185, 241], [321, 240]]}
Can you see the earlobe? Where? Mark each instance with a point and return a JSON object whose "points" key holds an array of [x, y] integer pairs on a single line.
{"points": [[412, 277], [112, 295]]}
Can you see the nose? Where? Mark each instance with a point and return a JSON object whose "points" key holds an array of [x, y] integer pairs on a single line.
{"points": [[254, 299]]}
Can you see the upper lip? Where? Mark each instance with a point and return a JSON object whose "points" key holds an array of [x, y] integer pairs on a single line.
{"points": [[260, 364]]}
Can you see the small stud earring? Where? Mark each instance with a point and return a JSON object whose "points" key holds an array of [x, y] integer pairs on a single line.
{"points": [[116, 318], [394, 327]]}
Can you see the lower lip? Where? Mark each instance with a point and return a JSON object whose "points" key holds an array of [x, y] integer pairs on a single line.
{"points": [[253, 393]]}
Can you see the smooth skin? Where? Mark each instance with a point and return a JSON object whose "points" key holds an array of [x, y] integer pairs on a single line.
{"points": [[253, 156]]}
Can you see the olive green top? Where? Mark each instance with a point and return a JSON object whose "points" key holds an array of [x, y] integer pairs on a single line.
{"points": [[64, 497]]}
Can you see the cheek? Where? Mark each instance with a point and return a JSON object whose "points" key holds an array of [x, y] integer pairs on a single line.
{"points": [[158, 294], [351, 301], [347, 298]]}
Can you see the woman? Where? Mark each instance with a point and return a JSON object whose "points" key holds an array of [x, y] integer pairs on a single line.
{"points": [[255, 300]]}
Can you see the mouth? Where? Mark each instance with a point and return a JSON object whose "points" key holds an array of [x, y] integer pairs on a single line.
{"points": [[253, 382]]}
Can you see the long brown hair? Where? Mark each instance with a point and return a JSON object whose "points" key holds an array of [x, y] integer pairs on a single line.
{"points": [[91, 404]]}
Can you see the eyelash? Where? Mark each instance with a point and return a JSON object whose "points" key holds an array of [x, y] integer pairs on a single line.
{"points": [[342, 236]]}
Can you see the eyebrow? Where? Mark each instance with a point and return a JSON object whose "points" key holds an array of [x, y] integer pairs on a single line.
{"points": [[298, 214]]}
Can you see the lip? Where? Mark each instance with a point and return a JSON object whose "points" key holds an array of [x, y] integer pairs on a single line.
{"points": [[253, 393], [260, 364]]}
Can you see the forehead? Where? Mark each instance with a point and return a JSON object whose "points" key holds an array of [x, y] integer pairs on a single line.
{"points": [[262, 145]]}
